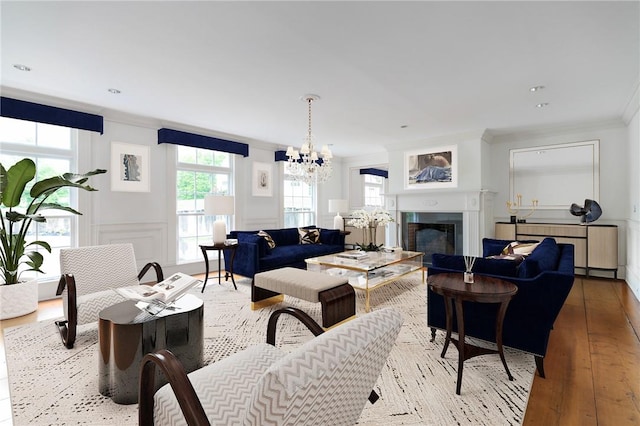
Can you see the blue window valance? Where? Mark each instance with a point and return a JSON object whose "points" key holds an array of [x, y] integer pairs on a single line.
{"points": [[193, 140], [282, 156], [375, 172], [23, 110]]}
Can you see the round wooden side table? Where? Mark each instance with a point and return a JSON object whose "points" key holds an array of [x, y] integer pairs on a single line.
{"points": [[484, 289], [219, 248]]}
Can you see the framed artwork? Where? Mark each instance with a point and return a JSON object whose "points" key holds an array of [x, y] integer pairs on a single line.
{"points": [[129, 167], [431, 168], [262, 181]]}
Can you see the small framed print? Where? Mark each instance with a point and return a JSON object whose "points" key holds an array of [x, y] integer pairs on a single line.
{"points": [[431, 168], [262, 181], [130, 167]]}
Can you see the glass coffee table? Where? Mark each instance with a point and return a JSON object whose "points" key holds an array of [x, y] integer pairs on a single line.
{"points": [[367, 271]]}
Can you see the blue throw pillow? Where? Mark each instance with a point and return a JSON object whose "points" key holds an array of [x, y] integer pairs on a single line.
{"points": [[544, 258]]}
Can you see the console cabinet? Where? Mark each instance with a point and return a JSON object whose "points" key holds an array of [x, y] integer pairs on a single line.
{"points": [[596, 246]]}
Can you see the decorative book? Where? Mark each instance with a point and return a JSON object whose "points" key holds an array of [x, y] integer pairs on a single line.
{"points": [[165, 291]]}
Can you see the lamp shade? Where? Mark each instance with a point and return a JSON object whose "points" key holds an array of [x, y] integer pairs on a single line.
{"points": [[337, 206], [218, 205]]}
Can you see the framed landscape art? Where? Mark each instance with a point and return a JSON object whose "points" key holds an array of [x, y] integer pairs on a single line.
{"points": [[431, 168]]}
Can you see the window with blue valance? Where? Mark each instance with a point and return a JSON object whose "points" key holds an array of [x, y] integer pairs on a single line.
{"points": [[375, 172], [23, 110], [193, 140]]}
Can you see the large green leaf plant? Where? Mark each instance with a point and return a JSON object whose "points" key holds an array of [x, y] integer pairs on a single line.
{"points": [[14, 250]]}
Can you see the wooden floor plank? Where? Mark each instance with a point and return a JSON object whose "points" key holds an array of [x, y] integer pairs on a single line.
{"points": [[615, 355], [566, 395]]}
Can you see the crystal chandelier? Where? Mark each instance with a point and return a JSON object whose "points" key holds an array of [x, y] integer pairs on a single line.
{"points": [[305, 165]]}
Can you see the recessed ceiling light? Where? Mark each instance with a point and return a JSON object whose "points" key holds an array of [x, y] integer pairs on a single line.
{"points": [[114, 91], [542, 105], [536, 88], [22, 67]]}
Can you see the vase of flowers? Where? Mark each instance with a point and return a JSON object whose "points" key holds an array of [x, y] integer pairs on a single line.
{"points": [[368, 221]]}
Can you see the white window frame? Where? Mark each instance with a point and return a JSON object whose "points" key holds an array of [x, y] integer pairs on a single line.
{"points": [[205, 238], [76, 200], [367, 182], [312, 214]]}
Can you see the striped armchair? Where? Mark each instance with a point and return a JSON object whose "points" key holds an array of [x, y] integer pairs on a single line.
{"points": [[89, 275], [325, 381]]}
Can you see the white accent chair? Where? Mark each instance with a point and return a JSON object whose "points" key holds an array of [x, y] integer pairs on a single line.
{"points": [[89, 275], [325, 381]]}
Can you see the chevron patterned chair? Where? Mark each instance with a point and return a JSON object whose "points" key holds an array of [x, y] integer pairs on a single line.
{"points": [[325, 381], [89, 275]]}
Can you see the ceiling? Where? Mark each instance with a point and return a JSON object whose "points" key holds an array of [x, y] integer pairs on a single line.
{"points": [[387, 72]]}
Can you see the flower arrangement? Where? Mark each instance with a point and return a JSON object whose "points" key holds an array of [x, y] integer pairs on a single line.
{"points": [[368, 221]]}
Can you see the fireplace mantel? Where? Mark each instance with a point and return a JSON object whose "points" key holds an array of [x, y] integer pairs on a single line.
{"points": [[476, 208]]}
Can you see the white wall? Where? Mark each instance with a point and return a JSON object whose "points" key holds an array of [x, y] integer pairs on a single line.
{"points": [[613, 175], [633, 211]]}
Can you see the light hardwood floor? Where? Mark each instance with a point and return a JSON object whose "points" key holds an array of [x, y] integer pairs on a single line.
{"points": [[592, 365]]}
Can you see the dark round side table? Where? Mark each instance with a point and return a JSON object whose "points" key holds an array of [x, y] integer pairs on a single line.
{"points": [[484, 289], [127, 333], [219, 248]]}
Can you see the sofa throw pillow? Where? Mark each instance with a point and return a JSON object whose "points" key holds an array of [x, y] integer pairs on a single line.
{"points": [[309, 236], [519, 248], [270, 243]]}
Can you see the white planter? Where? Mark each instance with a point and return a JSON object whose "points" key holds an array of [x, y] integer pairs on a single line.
{"points": [[18, 299]]}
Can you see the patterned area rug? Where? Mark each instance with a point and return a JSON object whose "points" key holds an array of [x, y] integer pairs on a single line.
{"points": [[55, 386]]}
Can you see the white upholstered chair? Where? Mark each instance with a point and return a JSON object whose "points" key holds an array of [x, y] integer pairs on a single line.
{"points": [[88, 277], [326, 381]]}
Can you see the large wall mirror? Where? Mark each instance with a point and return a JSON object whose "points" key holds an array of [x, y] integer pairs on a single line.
{"points": [[555, 175]]}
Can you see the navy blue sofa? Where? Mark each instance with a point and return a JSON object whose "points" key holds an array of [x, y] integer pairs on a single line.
{"points": [[253, 254], [544, 280]]}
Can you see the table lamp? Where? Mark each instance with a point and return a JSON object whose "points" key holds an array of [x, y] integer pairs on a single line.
{"points": [[337, 206], [218, 205]]}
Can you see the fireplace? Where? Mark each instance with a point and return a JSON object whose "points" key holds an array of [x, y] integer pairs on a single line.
{"points": [[432, 233]]}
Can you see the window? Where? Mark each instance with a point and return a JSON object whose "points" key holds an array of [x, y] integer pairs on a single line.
{"points": [[53, 149], [299, 202], [199, 172], [373, 190]]}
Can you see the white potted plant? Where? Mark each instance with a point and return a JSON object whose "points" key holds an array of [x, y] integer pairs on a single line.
{"points": [[19, 297]]}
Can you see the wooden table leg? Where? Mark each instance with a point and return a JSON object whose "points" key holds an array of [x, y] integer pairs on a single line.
{"points": [[461, 345], [448, 309], [206, 268], [499, 324]]}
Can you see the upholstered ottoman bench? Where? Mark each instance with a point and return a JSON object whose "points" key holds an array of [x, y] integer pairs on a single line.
{"points": [[336, 296]]}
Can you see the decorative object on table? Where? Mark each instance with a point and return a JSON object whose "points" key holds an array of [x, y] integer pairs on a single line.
{"points": [[337, 206], [368, 221], [468, 269], [515, 207], [305, 165], [589, 213], [219, 205], [16, 256], [130, 167], [431, 168]]}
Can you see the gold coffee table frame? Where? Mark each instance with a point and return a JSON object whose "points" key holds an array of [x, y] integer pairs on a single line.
{"points": [[370, 272]]}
